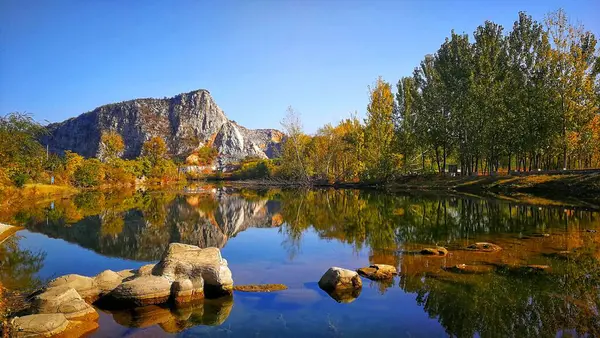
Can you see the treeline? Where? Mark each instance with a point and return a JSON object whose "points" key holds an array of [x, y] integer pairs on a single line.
{"points": [[523, 100], [24, 160]]}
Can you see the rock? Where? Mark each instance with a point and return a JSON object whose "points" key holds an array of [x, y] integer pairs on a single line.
{"points": [[39, 325], [528, 269], [260, 287], [561, 254], [107, 280], [470, 269], [63, 299], [141, 291], [7, 231], [378, 271], [541, 235], [438, 251], [85, 286], [183, 291], [202, 266], [126, 274], [188, 121], [145, 270], [337, 278], [484, 247]]}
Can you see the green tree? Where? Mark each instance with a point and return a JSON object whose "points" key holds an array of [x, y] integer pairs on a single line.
{"points": [[89, 174], [21, 154], [572, 60], [379, 132]]}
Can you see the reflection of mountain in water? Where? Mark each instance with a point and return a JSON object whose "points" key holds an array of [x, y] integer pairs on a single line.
{"points": [[144, 233]]}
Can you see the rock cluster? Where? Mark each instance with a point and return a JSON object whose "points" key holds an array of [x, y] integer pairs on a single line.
{"points": [[184, 274]]}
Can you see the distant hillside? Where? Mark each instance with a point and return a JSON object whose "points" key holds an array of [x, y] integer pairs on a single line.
{"points": [[186, 122]]}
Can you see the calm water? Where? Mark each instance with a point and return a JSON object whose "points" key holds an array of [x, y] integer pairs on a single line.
{"points": [[293, 237]]}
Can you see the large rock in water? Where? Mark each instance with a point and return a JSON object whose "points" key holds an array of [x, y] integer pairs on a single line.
{"points": [[187, 121], [205, 268], [338, 278], [343, 285]]}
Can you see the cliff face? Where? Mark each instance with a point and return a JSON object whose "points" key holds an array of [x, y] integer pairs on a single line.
{"points": [[186, 122]]}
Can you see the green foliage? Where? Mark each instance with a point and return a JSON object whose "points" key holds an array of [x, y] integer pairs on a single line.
{"points": [[19, 179], [21, 154], [91, 173], [255, 169]]}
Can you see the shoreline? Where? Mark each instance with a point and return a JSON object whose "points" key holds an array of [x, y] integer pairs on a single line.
{"points": [[565, 186]]}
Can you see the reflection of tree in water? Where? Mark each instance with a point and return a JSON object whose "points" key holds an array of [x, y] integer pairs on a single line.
{"points": [[18, 267], [386, 221], [509, 305]]}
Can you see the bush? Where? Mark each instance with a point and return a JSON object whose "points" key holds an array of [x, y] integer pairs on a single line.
{"points": [[19, 179], [90, 174], [255, 169]]}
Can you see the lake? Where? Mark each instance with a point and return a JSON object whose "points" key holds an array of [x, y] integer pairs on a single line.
{"points": [[294, 236]]}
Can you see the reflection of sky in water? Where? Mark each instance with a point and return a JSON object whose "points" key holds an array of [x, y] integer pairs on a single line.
{"points": [[258, 256]]}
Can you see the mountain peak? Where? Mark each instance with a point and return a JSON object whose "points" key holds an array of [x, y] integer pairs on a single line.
{"points": [[185, 121]]}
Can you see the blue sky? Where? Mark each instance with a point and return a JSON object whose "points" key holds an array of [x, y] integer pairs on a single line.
{"points": [[59, 59]]}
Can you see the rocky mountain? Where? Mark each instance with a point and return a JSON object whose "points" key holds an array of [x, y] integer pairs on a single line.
{"points": [[186, 122]]}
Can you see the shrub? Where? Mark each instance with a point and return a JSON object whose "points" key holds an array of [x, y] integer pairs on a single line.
{"points": [[90, 174], [19, 179]]}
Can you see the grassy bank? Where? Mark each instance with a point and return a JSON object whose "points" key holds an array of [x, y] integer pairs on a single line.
{"points": [[577, 185]]}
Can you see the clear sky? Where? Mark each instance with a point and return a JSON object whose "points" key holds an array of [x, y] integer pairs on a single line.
{"points": [[59, 59]]}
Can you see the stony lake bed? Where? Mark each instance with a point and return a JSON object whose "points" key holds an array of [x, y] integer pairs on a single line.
{"points": [[511, 269]]}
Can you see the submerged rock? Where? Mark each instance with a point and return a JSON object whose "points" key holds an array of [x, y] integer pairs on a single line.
{"points": [[437, 251], [260, 287], [378, 271], [469, 269], [337, 278], [561, 254], [527, 269], [484, 247]]}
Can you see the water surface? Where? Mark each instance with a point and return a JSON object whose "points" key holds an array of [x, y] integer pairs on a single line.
{"points": [[293, 237]]}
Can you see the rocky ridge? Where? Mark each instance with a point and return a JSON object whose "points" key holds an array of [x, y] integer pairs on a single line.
{"points": [[186, 122]]}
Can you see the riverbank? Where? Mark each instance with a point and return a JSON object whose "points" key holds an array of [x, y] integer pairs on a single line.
{"points": [[572, 185]]}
